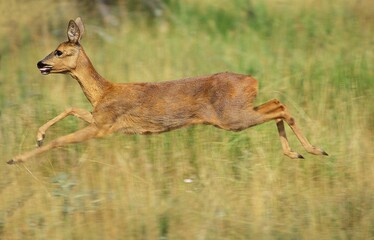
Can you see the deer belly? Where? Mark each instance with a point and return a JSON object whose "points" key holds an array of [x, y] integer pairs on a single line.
{"points": [[151, 124]]}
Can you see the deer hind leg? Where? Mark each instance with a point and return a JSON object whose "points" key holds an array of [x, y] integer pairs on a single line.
{"points": [[80, 113], [274, 110], [84, 134], [284, 141]]}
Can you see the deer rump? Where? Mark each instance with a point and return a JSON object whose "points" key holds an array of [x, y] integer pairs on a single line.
{"points": [[223, 100]]}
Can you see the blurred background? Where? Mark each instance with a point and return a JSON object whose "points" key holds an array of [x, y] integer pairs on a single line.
{"points": [[199, 182]]}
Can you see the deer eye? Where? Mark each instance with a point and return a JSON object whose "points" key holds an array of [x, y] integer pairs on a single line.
{"points": [[58, 53]]}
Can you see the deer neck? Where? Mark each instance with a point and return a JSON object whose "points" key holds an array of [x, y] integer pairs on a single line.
{"points": [[91, 82]]}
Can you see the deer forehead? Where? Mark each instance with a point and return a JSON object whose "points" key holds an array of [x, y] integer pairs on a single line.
{"points": [[68, 47]]}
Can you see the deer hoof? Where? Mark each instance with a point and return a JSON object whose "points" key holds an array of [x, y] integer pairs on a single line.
{"points": [[317, 151], [39, 143], [40, 139], [11, 161], [293, 155]]}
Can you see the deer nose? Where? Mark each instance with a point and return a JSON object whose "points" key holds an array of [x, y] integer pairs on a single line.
{"points": [[40, 64]]}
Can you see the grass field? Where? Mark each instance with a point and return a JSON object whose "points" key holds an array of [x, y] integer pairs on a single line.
{"points": [[200, 182]]}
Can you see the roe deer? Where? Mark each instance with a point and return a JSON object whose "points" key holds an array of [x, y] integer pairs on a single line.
{"points": [[224, 100]]}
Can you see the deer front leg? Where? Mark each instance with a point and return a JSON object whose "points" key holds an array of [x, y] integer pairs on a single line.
{"points": [[80, 113], [84, 134]]}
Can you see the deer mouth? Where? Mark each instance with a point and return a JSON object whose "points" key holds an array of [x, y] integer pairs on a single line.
{"points": [[44, 68]]}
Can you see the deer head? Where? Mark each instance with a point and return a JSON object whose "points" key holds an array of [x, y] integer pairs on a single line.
{"points": [[64, 58]]}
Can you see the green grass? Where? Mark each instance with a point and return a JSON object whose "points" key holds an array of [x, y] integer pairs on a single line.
{"points": [[315, 56]]}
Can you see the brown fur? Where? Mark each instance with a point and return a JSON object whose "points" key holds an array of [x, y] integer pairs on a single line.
{"points": [[224, 100]]}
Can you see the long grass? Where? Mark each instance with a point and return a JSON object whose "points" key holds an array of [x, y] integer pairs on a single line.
{"points": [[198, 182]]}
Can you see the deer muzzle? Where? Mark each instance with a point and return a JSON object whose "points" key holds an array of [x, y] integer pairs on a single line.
{"points": [[44, 68]]}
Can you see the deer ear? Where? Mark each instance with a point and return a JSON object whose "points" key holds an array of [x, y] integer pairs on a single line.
{"points": [[80, 25], [73, 32]]}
